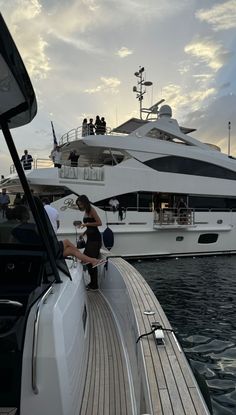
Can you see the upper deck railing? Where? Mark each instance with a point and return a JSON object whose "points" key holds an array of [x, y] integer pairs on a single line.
{"points": [[93, 172], [76, 134], [38, 163], [71, 135]]}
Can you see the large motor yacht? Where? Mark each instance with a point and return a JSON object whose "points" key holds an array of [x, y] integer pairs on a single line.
{"points": [[176, 194]]}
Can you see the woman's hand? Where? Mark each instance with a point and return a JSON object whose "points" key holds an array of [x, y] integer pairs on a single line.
{"points": [[82, 225], [77, 223]]}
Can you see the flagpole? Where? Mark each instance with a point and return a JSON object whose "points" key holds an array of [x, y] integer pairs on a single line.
{"points": [[229, 127], [55, 143]]}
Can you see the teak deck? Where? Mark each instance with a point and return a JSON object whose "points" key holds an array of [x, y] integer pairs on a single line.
{"points": [[107, 389], [172, 387]]}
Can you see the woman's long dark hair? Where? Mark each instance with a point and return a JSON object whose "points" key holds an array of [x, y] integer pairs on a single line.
{"points": [[85, 202]]}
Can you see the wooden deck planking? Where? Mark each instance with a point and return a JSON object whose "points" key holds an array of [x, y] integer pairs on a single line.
{"points": [[181, 401], [87, 393], [177, 388], [119, 365], [101, 350], [113, 364], [106, 389]]}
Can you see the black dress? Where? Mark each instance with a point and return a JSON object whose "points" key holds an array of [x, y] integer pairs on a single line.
{"points": [[92, 248]]}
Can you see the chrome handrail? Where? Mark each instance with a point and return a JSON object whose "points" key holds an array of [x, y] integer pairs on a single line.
{"points": [[35, 339], [11, 303], [180, 216]]}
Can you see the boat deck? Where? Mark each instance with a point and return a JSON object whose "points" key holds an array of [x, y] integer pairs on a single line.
{"points": [[172, 387], [106, 390]]}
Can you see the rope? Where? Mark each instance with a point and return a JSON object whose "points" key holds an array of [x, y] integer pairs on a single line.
{"points": [[155, 326]]}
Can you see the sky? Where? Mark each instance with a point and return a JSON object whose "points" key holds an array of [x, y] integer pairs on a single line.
{"points": [[81, 56]]}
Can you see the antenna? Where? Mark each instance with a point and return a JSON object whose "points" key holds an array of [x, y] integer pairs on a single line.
{"points": [[139, 88], [229, 128]]}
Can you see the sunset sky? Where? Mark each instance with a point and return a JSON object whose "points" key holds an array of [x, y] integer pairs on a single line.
{"points": [[81, 56]]}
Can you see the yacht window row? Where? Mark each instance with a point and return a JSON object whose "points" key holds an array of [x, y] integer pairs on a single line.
{"points": [[184, 165]]}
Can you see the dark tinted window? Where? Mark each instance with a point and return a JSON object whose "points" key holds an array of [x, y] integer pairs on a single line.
{"points": [[145, 201], [208, 238], [218, 203], [183, 165], [141, 200]]}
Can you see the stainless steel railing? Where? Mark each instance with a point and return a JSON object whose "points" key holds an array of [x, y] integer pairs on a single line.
{"points": [[40, 304], [170, 216]]}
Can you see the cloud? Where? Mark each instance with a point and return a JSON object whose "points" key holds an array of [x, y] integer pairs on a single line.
{"points": [[208, 51], [107, 85], [183, 101], [140, 11], [124, 52], [221, 16], [31, 42], [79, 44], [222, 109]]}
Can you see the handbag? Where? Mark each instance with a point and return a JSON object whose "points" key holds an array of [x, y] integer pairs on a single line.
{"points": [[81, 243]]}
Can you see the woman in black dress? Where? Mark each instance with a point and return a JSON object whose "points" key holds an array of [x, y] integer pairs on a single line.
{"points": [[93, 245]]}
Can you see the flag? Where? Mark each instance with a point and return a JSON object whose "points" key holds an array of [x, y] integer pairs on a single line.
{"points": [[55, 143]]}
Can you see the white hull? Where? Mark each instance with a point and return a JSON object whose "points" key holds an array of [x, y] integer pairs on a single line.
{"points": [[60, 365], [138, 236], [64, 343]]}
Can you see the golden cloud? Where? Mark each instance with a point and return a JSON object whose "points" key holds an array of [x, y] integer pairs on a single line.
{"points": [[181, 100], [206, 50], [107, 85], [221, 16], [124, 52], [30, 42]]}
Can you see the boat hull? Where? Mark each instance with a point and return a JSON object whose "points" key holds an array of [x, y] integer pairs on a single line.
{"points": [[212, 233]]}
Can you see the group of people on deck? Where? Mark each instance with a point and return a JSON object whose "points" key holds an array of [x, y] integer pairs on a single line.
{"points": [[88, 128], [91, 128]]}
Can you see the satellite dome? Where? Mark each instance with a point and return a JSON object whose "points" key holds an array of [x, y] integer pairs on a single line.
{"points": [[165, 111]]}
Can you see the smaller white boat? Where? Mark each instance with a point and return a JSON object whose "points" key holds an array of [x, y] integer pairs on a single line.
{"points": [[64, 350]]}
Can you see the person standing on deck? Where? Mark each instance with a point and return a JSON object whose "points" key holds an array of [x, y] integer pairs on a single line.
{"points": [[98, 125], [84, 127], [26, 160], [4, 202], [52, 213], [73, 157], [103, 126], [114, 204], [56, 157], [94, 241], [91, 127]]}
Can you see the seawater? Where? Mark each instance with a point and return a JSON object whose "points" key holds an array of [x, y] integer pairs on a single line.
{"points": [[198, 296]]}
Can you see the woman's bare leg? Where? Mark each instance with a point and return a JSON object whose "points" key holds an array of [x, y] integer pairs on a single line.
{"points": [[70, 249]]}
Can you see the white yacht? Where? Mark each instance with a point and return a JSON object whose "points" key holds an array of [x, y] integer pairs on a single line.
{"points": [[151, 166], [65, 350]]}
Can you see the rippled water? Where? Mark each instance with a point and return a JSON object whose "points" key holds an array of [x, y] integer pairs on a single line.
{"points": [[198, 296]]}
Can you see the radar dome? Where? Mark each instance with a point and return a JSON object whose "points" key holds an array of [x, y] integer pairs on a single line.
{"points": [[165, 111]]}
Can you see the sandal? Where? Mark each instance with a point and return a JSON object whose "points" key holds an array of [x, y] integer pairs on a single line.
{"points": [[102, 262]]}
